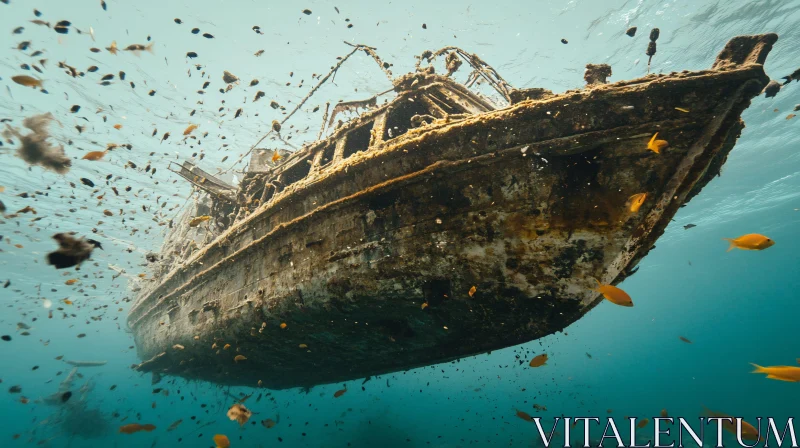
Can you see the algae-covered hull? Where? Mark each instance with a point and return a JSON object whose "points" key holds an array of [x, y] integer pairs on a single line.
{"points": [[454, 239]]}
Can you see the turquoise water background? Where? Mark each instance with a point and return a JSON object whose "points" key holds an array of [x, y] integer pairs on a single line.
{"points": [[736, 308]]}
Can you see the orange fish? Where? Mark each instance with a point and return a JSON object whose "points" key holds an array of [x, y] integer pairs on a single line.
{"points": [[222, 441], [751, 241], [283, 325], [113, 48], [780, 373], [664, 413], [94, 155], [71, 281], [643, 423], [472, 291], [27, 81], [238, 358], [539, 361], [749, 432], [117, 126], [684, 339], [339, 393], [189, 130], [276, 157], [614, 294], [524, 415], [636, 201], [656, 145], [135, 427], [68, 302], [424, 305]]}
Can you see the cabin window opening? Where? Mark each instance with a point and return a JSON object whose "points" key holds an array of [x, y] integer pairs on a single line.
{"points": [[296, 172], [327, 154], [357, 140], [398, 121], [449, 106]]}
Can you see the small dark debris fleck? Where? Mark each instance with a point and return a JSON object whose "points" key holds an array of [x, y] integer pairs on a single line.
{"points": [[307, 12], [87, 182], [152, 93], [424, 27], [564, 41], [195, 30], [208, 36], [631, 31], [75, 108], [191, 55], [178, 21]]}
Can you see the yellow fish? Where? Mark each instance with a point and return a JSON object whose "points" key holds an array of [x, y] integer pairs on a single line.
{"points": [[197, 220], [27, 81], [780, 373], [751, 241], [614, 294], [276, 157], [239, 358], [539, 360], [189, 130], [656, 145], [94, 155], [636, 201], [749, 432]]}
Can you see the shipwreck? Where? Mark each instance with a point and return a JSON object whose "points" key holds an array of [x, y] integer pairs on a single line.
{"points": [[435, 226]]}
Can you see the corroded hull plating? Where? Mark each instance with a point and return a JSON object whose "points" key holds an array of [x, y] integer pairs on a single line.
{"points": [[527, 204]]}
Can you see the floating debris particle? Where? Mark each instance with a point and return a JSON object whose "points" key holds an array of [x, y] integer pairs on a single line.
{"points": [[239, 413], [631, 31], [34, 147], [135, 427], [229, 77], [307, 12], [564, 41], [208, 36], [772, 89], [684, 339]]}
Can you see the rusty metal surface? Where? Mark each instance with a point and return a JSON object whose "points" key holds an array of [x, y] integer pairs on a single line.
{"points": [[526, 204]]}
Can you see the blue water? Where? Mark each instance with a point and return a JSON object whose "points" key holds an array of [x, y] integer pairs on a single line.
{"points": [[736, 308]]}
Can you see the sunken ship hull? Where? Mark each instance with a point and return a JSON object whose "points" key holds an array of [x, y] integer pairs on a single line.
{"points": [[456, 238]]}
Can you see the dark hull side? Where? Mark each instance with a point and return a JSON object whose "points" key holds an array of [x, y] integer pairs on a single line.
{"points": [[526, 204]]}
